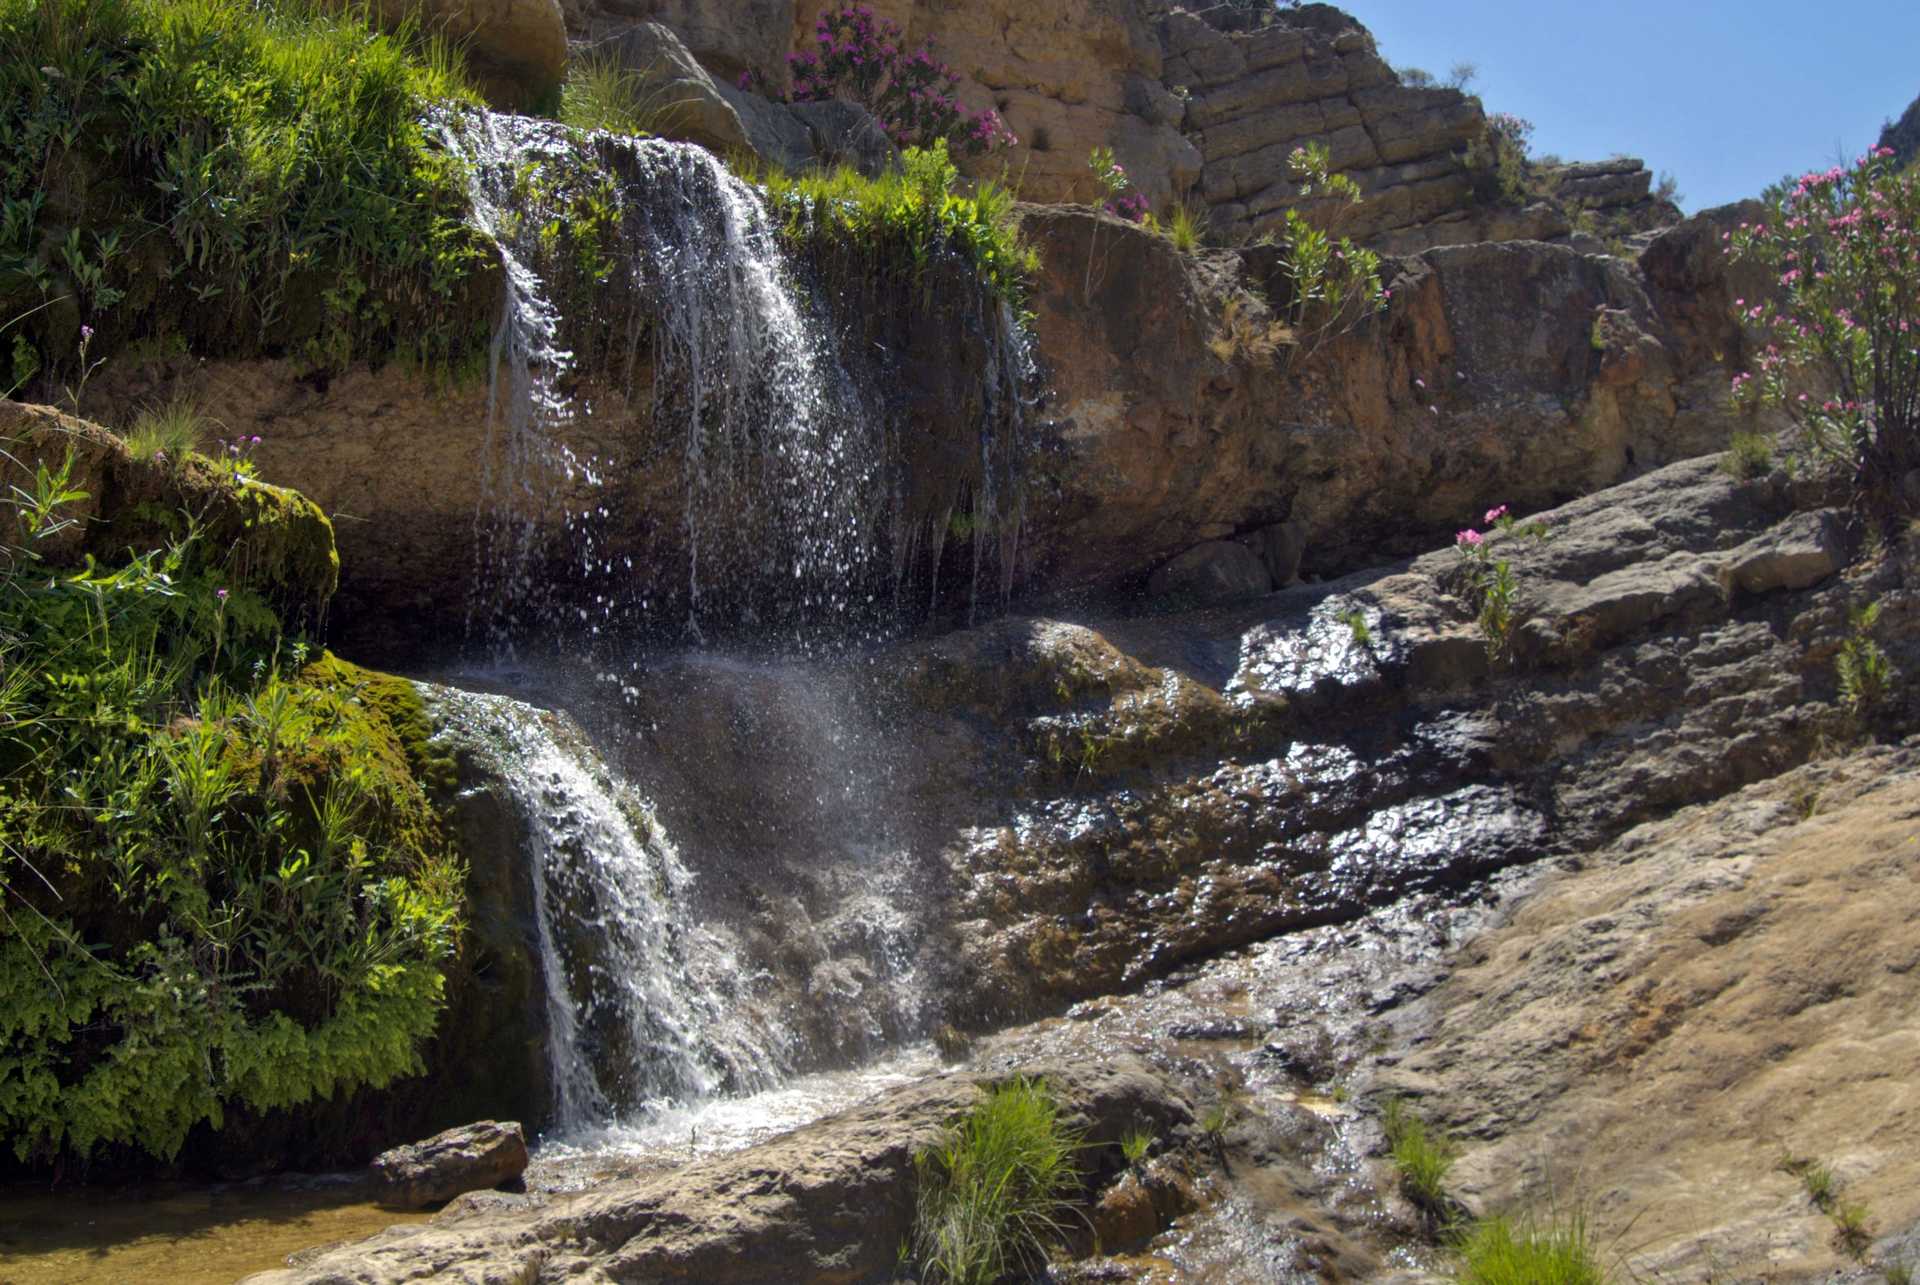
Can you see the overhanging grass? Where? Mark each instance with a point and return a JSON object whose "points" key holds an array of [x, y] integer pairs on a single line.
{"points": [[253, 175], [993, 1191], [906, 219]]}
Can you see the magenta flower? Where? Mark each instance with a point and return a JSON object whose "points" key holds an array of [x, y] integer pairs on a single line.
{"points": [[1494, 515], [1470, 538], [221, 594]]}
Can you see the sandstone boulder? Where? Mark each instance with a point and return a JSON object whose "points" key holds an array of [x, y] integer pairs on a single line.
{"points": [[727, 37], [689, 105], [1218, 571], [516, 49], [473, 1157]]}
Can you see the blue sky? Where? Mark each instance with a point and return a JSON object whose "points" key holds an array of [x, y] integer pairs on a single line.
{"points": [[1727, 97]]}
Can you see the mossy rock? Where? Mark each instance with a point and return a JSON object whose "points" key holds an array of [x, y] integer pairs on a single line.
{"points": [[269, 539]]}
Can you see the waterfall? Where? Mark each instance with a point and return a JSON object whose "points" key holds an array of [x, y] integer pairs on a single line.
{"points": [[645, 1008], [645, 284]]}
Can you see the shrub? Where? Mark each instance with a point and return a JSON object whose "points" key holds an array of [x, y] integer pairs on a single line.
{"points": [[1749, 455], [913, 95], [224, 884], [1498, 159], [1422, 1156], [250, 174], [1839, 345], [1852, 1229], [1501, 1251], [991, 1194], [1334, 284], [1864, 671]]}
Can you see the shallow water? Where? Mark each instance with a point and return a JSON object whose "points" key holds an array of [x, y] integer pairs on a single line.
{"points": [[181, 1235]]}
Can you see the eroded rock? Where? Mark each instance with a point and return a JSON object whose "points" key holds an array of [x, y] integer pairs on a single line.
{"points": [[472, 1157]]}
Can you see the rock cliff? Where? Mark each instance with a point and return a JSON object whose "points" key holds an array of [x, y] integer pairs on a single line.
{"points": [[1903, 135]]}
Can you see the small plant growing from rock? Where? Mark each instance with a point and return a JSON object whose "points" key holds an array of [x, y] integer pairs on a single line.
{"points": [[992, 1192], [1852, 1228], [1134, 1147], [1117, 195], [1556, 1250], [1865, 673], [1492, 588], [1335, 284], [1897, 1273], [1749, 456], [1423, 1157]]}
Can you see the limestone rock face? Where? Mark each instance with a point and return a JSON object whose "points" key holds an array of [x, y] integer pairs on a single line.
{"points": [[1067, 76], [471, 1158], [1509, 372], [516, 49]]}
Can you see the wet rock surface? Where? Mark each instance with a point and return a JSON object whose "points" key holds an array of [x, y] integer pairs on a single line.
{"points": [[828, 1202], [435, 1170]]}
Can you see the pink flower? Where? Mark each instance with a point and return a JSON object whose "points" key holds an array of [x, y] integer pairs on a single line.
{"points": [[221, 594], [1470, 538], [1494, 515]]}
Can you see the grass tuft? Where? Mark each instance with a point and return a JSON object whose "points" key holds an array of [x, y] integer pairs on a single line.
{"points": [[993, 1191], [603, 93], [1422, 1155], [1184, 226], [172, 429], [1528, 1251]]}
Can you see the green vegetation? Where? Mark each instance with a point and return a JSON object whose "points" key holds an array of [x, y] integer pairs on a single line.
{"points": [[1186, 227], [992, 1192], [602, 93], [1864, 671], [1423, 1156], [1749, 456], [168, 432], [250, 175], [914, 217], [1815, 1179], [1834, 344], [1491, 587], [1334, 284], [1852, 1228], [1900, 1273], [1134, 1147], [1502, 1251], [220, 881]]}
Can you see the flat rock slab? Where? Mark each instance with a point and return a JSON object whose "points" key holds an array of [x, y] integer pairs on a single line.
{"points": [[473, 1157]]}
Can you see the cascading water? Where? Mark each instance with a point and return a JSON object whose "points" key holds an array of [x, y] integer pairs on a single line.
{"points": [[671, 387], [647, 288], [644, 1007]]}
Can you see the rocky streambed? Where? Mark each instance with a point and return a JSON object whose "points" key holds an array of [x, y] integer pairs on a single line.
{"points": [[1614, 912]]}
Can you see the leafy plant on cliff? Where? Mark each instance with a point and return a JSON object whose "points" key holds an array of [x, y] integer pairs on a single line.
{"points": [[914, 96], [911, 218], [1333, 283], [1839, 341], [1498, 159], [992, 1193], [219, 881], [258, 176], [1863, 668], [1492, 589]]}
